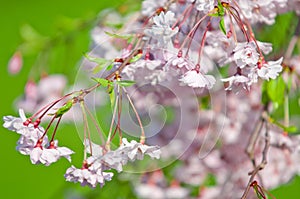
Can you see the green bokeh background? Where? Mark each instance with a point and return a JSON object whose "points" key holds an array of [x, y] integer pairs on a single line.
{"points": [[19, 178]]}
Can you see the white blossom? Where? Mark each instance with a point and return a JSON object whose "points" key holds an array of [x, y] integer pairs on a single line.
{"points": [[270, 69], [162, 30], [15, 123], [30, 136], [235, 82], [135, 150], [198, 80], [265, 47], [28, 141], [259, 11], [110, 160], [115, 159], [245, 54], [88, 176], [48, 155], [180, 62], [93, 148], [205, 5]]}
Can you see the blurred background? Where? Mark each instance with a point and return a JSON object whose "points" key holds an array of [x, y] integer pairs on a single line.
{"points": [[65, 25]]}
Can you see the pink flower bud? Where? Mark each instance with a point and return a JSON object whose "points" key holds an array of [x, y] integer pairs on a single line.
{"points": [[15, 63], [31, 90], [36, 123]]}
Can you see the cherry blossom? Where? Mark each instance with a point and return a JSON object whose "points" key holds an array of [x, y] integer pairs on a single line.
{"points": [[259, 11], [135, 150], [29, 134], [15, 123], [27, 142], [236, 82], [161, 29], [204, 5], [245, 54], [150, 65], [48, 155], [207, 135], [270, 69], [197, 80], [88, 176], [110, 160]]}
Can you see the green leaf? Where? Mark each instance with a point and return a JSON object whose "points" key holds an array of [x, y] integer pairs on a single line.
{"points": [[210, 180], [221, 10], [276, 90], [222, 25], [109, 67], [102, 81], [136, 58], [291, 129], [102, 63], [125, 83], [65, 108], [97, 60], [97, 69], [114, 25], [128, 37]]}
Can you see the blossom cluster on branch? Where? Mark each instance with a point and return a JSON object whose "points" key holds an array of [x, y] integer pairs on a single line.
{"points": [[223, 130]]}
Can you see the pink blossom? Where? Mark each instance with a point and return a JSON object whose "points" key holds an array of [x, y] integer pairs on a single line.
{"points": [[135, 150], [197, 80], [270, 69], [88, 176], [246, 54], [236, 82], [51, 154]]}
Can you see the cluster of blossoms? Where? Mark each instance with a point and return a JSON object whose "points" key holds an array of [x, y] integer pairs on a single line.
{"points": [[34, 142], [94, 167], [175, 48]]}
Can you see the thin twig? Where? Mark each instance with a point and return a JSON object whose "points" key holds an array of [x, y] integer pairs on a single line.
{"points": [[264, 157], [95, 123], [143, 137]]}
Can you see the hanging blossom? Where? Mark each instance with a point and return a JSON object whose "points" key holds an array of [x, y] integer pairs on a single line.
{"points": [[93, 170], [33, 142], [236, 82], [128, 151], [88, 175], [245, 54], [204, 5], [261, 11], [162, 30], [196, 79], [270, 69], [16, 123], [132, 69], [30, 135], [48, 155], [135, 150]]}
